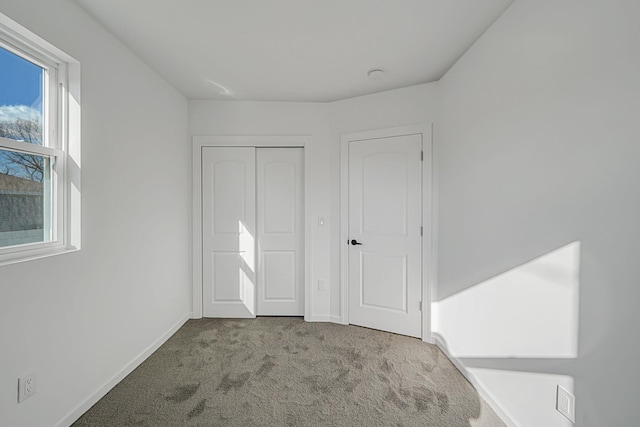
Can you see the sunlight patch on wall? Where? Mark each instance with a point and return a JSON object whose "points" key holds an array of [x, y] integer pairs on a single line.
{"points": [[528, 311]]}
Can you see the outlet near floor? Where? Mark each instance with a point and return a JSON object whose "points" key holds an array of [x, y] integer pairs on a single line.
{"points": [[26, 385], [565, 404]]}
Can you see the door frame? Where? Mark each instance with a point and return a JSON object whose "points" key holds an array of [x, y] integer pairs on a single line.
{"points": [[256, 141], [428, 264]]}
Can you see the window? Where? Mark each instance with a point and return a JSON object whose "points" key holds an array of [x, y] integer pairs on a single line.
{"points": [[39, 178]]}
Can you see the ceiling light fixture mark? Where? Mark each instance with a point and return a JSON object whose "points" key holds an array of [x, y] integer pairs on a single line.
{"points": [[223, 90]]}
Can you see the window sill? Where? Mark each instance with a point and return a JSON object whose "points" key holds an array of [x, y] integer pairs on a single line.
{"points": [[33, 254]]}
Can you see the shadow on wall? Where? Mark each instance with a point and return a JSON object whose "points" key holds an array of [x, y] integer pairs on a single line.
{"points": [[519, 327]]}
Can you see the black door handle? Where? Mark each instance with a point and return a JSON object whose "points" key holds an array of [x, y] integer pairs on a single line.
{"points": [[355, 242]]}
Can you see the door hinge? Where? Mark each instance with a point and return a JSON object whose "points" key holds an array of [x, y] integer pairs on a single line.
{"points": [[421, 230], [420, 305], [422, 156]]}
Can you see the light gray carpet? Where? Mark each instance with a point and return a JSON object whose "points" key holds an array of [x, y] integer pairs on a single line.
{"points": [[285, 372]]}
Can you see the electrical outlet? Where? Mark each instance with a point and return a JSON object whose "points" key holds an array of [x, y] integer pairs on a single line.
{"points": [[566, 404], [26, 386]]}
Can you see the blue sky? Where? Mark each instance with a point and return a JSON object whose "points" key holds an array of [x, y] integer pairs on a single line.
{"points": [[20, 81], [20, 85]]}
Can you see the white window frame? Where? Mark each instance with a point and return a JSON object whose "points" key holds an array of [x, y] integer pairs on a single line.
{"points": [[61, 142]]}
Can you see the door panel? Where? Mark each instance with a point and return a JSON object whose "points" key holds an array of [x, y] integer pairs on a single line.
{"points": [[280, 231], [380, 190], [389, 269], [278, 185], [226, 268], [279, 275], [385, 209], [229, 195], [228, 242]]}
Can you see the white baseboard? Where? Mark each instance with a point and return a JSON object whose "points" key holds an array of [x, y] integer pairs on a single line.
{"points": [[479, 386], [325, 318], [317, 318], [336, 319], [99, 393]]}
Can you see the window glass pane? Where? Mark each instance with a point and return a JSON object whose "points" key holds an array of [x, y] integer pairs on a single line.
{"points": [[25, 198], [21, 98]]}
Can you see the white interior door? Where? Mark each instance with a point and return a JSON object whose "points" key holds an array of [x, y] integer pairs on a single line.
{"points": [[228, 232], [252, 204], [280, 231], [385, 209]]}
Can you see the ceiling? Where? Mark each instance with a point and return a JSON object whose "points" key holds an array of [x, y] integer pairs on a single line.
{"points": [[295, 50]]}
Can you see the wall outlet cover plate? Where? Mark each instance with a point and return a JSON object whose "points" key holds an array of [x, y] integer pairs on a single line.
{"points": [[566, 404]]}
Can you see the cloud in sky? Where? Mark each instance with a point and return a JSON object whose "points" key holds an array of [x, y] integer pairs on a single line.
{"points": [[10, 113]]}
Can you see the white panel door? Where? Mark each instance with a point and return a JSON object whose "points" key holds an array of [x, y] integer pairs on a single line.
{"points": [[385, 209], [280, 231], [228, 228]]}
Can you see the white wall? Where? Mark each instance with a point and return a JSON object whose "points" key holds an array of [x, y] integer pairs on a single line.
{"points": [[538, 156], [79, 318], [325, 123]]}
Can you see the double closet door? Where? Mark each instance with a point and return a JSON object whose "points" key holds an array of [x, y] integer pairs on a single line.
{"points": [[253, 232]]}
